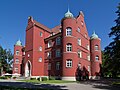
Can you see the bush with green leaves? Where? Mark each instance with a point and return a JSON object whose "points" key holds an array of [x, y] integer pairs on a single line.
{"points": [[44, 78]]}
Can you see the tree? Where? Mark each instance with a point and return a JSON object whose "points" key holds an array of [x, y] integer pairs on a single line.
{"points": [[112, 51], [5, 60]]}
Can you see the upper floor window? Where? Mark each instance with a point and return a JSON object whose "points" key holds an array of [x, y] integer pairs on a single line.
{"points": [[68, 63], [50, 43], [88, 57], [96, 47], [68, 31], [49, 66], [40, 59], [79, 54], [58, 41], [41, 34], [17, 61], [58, 66], [69, 47], [78, 29], [40, 48], [17, 52], [79, 41], [85, 35], [88, 47], [82, 23], [58, 54], [49, 54], [96, 57]]}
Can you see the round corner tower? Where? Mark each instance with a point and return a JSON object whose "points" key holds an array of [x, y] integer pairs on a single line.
{"points": [[69, 40], [96, 59]]}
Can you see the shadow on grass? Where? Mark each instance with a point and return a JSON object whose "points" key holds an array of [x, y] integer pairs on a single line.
{"points": [[29, 86]]}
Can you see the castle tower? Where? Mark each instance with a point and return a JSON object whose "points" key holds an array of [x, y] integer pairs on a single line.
{"points": [[17, 58], [69, 46], [96, 59]]}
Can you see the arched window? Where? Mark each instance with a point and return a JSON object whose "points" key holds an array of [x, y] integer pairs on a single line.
{"points": [[96, 47], [58, 41], [68, 31], [69, 47], [17, 61], [96, 57], [40, 59], [17, 52]]}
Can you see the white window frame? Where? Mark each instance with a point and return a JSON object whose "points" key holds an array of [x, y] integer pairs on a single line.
{"points": [[17, 52], [49, 43], [58, 53], [78, 29], [69, 63], [69, 47], [49, 54], [88, 47], [68, 31], [79, 41], [41, 34], [40, 48], [79, 54], [58, 41], [40, 59], [88, 57], [16, 69], [16, 60], [89, 68], [96, 47], [97, 58]]}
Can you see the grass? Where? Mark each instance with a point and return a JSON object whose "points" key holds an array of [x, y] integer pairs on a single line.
{"points": [[48, 81], [116, 83]]}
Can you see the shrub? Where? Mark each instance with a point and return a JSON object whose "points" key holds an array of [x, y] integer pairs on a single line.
{"points": [[3, 77], [32, 78], [14, 77], [44, 78], [51, 78]]}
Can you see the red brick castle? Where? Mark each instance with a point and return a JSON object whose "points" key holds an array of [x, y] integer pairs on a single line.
{"points": [[65, 51]]}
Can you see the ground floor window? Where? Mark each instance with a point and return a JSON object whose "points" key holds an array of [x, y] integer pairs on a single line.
{"points": [[68, 63]]}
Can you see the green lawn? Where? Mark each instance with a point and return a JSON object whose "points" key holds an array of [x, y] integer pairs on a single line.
{"points": [[48, 81]]}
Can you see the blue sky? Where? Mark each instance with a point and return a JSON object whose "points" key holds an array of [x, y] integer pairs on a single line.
{"points": [[99, 17]]}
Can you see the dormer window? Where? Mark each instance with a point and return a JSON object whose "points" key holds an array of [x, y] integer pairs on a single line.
{"points": [[68, 31]]}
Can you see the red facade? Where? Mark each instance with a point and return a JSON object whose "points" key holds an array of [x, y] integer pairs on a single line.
{"points": [[60, 52]]}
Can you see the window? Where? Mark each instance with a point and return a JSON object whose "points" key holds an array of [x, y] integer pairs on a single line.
{"points": [[58, 41], [17, 52], [40, 59], [88, 57], [85, 35], [88, 68], [49, 66], [40, 48], [16, 69], [58, 54], [69, 47], [96, 57], [41, 34], [49, 43], [79, 54], [78, 29], [87, 46], [79, 41], [58, 66], [96, 47], [17, 61], [48, 55], [82, 23], [68, 31], [69, 63]]}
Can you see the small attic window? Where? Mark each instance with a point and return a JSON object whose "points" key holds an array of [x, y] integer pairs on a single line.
{"points": [[82, 23]]}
